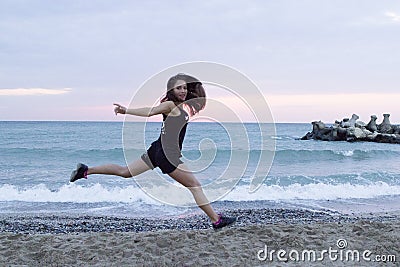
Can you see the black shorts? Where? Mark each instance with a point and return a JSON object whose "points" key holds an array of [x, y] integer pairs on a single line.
{"points": [[155, 157]]}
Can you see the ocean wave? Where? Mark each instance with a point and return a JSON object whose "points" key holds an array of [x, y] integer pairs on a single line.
{"points": [[59, 153], [74, 193], [332, 155], [283, 152], [131, 194], [51, 150], [221, 155], [316, 191], [307, 154]]}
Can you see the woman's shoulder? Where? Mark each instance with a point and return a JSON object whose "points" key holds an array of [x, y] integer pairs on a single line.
{"points": [[169, 103], [173, 108]]}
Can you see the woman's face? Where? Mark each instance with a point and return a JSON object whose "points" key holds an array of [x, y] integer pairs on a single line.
{"points": [[180, 90]]}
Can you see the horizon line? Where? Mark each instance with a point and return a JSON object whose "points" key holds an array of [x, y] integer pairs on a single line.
{"points": [[140, 121], [278, 122]]}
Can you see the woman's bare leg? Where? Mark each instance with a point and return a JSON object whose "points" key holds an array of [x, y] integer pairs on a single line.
{"points": [[135, 168], [187, 179]]}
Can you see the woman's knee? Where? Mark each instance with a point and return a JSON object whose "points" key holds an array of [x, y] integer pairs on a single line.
{"points": [[194, 185], [125, 173], [186, 178], [191, 182]]}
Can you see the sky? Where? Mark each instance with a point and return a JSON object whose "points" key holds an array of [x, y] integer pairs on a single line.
{"points": [[311, 59]]}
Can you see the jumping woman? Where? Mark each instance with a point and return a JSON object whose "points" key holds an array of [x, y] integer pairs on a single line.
{"points": [[165, 152]]}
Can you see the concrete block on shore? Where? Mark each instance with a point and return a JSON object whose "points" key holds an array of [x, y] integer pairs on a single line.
{"points": [[352, 130]]}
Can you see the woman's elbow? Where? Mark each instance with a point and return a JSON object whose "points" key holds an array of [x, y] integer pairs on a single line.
{"points": [[151, 113]]}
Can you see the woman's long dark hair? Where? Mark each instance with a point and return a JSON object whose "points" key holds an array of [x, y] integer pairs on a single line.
{"points": [[196, 95]]}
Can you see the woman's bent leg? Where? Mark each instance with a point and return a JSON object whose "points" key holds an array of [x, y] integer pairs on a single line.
{"points": [[135, 168], [187, 179]]}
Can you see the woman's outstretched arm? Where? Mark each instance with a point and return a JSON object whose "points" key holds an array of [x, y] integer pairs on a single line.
{"points": [[164, 107]]}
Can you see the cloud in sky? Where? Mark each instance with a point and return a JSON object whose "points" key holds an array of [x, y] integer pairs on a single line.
{"points": [[33, 91], [380, 19], [393, 16]]}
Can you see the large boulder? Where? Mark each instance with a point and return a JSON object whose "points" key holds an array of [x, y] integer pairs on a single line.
{"points": [[371, 126], [345, 123], [396, 129], [354, 134], [385, 126], [353, 120], [318, 126], [360, 124], [387, 138]]}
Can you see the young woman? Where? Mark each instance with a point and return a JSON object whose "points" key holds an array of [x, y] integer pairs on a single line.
{"points": [[165, 152]]}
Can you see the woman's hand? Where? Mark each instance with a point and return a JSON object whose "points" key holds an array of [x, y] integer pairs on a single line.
{"points": [[119, 109]]}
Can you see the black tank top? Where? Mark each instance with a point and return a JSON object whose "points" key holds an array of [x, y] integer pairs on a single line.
{"points": [[173, 132]]}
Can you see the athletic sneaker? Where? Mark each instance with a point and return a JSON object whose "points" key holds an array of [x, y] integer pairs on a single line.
{"points": [[79, 173], [223, 221]]}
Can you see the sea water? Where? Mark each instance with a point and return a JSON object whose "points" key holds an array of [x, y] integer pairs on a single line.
{"points": [[36, 160]]}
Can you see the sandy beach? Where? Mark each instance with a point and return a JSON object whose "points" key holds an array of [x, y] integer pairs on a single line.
{"points": [[190, 241]]}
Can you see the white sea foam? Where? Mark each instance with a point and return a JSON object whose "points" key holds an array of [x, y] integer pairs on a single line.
{"points": [[74, 193], [132, 194], [346, 153], [317, 191]]}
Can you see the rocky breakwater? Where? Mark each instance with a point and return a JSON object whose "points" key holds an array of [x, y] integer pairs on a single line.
{"points": [[353, 130]]}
